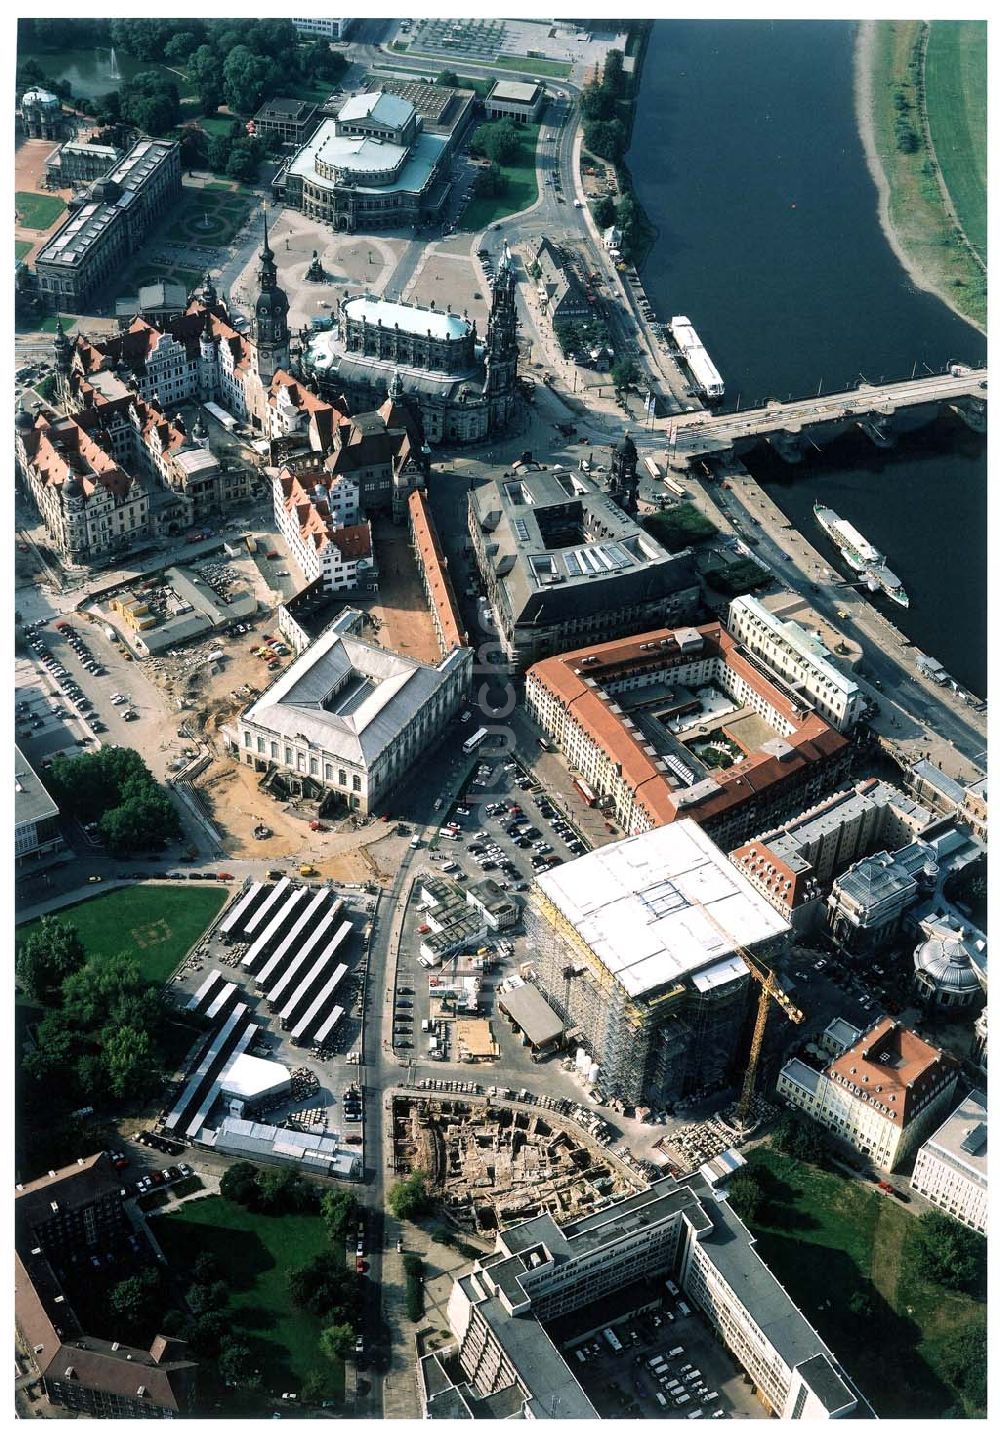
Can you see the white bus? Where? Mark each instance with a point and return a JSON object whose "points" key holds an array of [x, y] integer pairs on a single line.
{"points": [[477, 738], [612, 1340]]}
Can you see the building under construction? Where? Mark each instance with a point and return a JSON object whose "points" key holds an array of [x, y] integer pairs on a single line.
{"points": [[637, 947]]}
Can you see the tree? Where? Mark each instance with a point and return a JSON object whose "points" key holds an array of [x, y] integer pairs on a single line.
{"points": [[135, 1301], [46, 957], [746, 1193], [409, 1198], [596, 103], [207, 1333], [130, 1061], [613, 79], [245, 79], [491, 180], [337, 1341], [281, 1191], [204, 1299], [194, 147], [239, 1184], [101, 991], [203, 72], [604, 211], [206, 1268], [799, 1137], [179, 48], [624, 373], [962, 1359], [150, 102], [498, 141], [325, 1287], [447, 77], [948, 1253], [339, 1210], [236, 1365], [605, 138]]}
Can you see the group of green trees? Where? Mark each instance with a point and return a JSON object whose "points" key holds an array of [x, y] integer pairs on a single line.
{"points": [[115, 789], [499, 142], [627, 216], [907, 134], [100, 1038], [602, 105], [409, 1199]]}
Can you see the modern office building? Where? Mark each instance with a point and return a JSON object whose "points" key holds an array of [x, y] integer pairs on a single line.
{"points": [[350, 718], [882, 1095], [637, 946], [372, 167], [461, 386], [950, 1168], [795, 864], [70, 1216], [681, 722], [107, 224], [562, 563], [499, 1312], [323, 29], [36, 816], [798, 657]]}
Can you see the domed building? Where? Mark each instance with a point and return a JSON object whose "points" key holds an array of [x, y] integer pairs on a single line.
{"points": [[949, 965]]}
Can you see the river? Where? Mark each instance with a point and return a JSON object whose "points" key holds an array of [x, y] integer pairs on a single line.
{"points": [[751, 167]]}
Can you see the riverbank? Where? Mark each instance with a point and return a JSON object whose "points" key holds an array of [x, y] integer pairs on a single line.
{"points": [[926, 239]]}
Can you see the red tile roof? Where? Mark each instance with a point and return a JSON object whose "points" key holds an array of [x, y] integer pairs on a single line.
{"points": [[431, 558], [893, 1067]]}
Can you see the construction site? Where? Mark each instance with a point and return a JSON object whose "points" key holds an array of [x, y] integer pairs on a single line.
{"points": [[492, 1165]]}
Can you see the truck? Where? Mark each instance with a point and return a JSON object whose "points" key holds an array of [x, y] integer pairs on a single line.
{"points": [[308, 870], [110, 633]]}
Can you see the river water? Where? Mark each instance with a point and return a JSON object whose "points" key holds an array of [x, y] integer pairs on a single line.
{"points": [[746, 156]]}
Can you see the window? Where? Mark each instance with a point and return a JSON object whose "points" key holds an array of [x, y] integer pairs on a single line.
{"points": [[246, 739], [356, 783]]}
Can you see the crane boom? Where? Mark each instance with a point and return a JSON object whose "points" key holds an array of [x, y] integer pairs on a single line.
{"points": [[769, 989]]}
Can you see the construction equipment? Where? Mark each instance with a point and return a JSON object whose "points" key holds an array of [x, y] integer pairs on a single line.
{"points": [[768, 989]]}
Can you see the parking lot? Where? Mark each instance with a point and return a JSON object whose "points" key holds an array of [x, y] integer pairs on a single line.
{"points": [[505, 826], [669, 1365], [321, 1077]]}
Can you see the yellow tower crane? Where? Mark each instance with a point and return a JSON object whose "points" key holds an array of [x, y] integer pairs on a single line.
{"points": [[768, 989]]}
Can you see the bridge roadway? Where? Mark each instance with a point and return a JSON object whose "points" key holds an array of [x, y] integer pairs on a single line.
{"points": [[702, 432]]}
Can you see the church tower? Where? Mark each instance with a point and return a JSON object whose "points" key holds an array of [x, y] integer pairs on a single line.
{"points": [[269, 326], [62, 355], [623, 480], [501, 346]]}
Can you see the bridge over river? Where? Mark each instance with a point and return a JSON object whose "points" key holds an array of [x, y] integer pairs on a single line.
{"points": [[880, 411]]}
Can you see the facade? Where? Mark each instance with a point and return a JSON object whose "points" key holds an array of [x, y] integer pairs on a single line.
{"points": [[882, 1095], [869, 901], [975, 809], [348, 718], [560, 294], [618, 709], [106, 226], [498, 1313], [116, 472], [950, 1169], [372, 167], [563, 564], [79, 162], [59, 1219], [461, 387], [637, 947], [799, 659], [321, 522], [36, 816], [514, 100], [289, 120], [432, 565], [795, 864]]}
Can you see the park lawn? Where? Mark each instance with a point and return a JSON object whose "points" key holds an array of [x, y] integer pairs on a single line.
{"points": [[256, 1252], [828, 1238], [216, 124], [955, 87], [521, 191], [48, 324], [558, 69], [38, 211], [155, 924], [210, 217], [21, 248]]}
